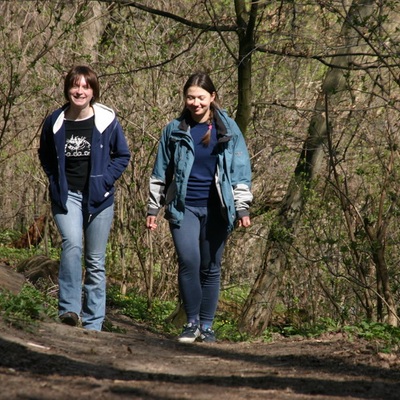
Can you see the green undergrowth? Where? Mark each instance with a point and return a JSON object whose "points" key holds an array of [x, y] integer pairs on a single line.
{"points": [[138, 308], [386, 338], [383, 337], [26, 309], [157, 316]]}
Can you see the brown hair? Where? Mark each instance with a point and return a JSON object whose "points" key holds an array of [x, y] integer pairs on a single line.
{"points": [[90, 76], [204, 81]]}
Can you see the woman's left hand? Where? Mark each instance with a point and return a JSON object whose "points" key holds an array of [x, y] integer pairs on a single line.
{"points": [[244, 222]]}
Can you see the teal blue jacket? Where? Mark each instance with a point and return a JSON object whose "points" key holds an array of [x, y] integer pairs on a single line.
{"points": [[173, 164]]}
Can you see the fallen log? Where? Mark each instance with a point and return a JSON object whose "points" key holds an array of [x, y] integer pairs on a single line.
{"points": [[10, 279], [39, 267]]}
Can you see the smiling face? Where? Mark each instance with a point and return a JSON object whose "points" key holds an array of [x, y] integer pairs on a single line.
{"points": [[198, 102], [80, 94]]}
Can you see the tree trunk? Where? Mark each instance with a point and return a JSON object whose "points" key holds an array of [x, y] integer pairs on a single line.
{"points": [[260, 304], [246, 25]]}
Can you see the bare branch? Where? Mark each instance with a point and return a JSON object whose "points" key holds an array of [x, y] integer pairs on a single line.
{"points": [[184, 21], [322, 58], [165, 62]]}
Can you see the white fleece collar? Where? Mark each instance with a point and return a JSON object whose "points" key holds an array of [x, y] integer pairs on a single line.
{"points": [[103, 116]]}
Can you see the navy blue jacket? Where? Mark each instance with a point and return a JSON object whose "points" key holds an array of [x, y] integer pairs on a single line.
{"points": [[110, 156]]}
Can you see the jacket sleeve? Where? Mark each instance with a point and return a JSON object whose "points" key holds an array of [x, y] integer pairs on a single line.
{"points": [[46, 152], [241, 174], [159, 176], [119, 154]]}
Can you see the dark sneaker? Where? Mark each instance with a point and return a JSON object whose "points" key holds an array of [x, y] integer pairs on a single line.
{"points": [[69, 318], [207, 336], [189, 334]]}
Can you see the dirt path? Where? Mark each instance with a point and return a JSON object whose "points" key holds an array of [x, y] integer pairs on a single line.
{"points": [[60, 362]]}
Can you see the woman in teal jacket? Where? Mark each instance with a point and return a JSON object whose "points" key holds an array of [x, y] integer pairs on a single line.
{"points": [[202, 176]]}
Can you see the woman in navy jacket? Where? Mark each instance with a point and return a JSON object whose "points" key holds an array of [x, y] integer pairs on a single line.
{"points": [[83, 151], [202, 176]]}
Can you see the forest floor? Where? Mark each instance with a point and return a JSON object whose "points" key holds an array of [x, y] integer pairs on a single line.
{"points": [[55, 361]]}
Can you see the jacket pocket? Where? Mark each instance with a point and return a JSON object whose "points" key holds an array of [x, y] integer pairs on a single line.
{"points": [[100, 190]]}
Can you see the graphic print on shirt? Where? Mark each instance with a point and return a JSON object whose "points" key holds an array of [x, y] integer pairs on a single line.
{"points": [[77, 147]]}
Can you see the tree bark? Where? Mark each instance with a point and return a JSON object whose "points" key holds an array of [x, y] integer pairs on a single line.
{"points": [[246, 25]]}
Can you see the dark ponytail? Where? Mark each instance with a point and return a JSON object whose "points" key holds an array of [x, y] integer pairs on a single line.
{"points": [[207, 136], [203, 81]]}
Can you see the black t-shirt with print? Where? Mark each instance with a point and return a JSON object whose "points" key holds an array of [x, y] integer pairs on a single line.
{"points": [[78, 143]]}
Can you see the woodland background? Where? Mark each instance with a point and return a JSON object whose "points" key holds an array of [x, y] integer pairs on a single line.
{"points": [[314, 85]]}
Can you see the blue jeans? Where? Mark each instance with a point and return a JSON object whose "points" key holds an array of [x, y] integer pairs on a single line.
{"points": [[74, 226], [199, 243]]}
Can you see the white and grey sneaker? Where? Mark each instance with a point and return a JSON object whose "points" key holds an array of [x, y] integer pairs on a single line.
{"points": [[189, 334]]}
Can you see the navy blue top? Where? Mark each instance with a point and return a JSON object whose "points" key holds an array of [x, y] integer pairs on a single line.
{"points": [[201, 189]]}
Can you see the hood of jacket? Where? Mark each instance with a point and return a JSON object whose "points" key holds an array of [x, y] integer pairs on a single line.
{"points": [[104, 116]]}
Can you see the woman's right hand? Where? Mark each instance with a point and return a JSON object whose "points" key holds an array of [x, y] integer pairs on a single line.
{"points": [[151, 222]]}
